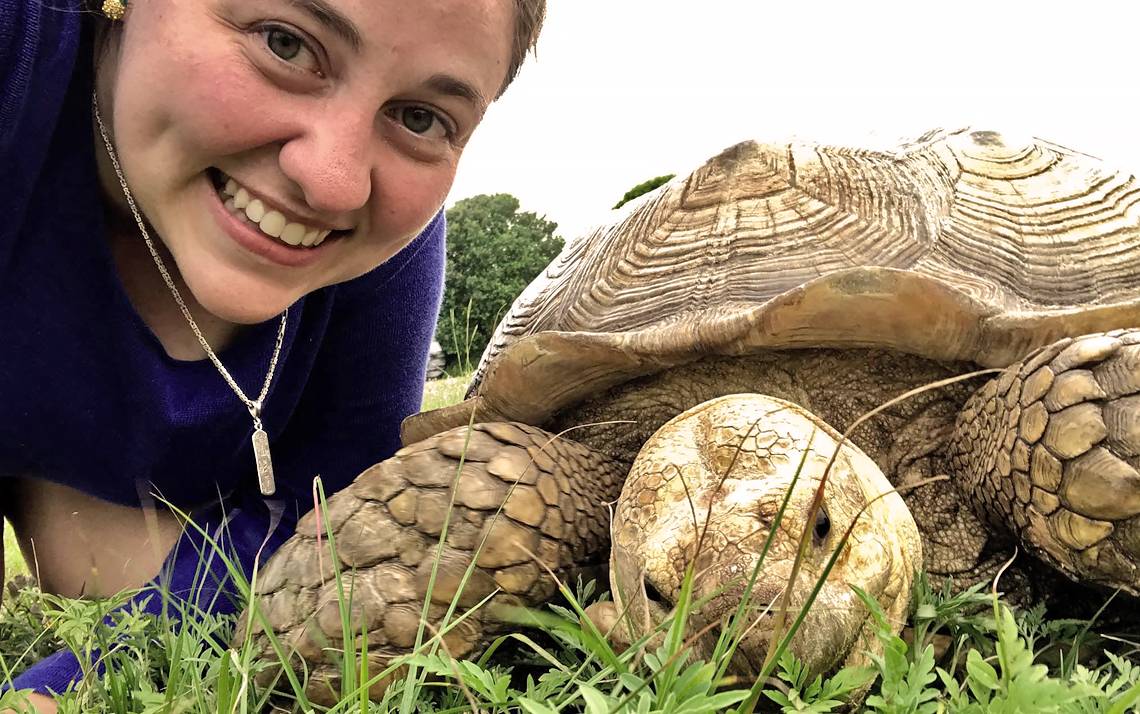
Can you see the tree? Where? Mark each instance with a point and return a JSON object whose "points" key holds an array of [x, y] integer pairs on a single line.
{"points": [[643, 187], [493, 252]]}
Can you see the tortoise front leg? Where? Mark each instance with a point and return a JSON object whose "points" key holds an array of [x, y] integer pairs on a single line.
{"points": [[387, 525], [1050, 449]]}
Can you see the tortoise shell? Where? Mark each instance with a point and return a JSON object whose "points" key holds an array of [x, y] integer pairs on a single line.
{"points": [[961, 245]]}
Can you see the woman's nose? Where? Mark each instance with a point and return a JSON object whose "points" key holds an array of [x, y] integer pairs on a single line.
{"points": [[331, 163]]}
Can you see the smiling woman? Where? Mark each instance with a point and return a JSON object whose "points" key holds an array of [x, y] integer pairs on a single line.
{"points": [[221, 267], [347, 121]]}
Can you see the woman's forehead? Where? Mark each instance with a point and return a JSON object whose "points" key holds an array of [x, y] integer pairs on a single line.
{"points": [[361, 21], [475, 36]]}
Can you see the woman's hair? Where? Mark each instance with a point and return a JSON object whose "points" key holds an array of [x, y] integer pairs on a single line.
{"points": [[529, 15]]}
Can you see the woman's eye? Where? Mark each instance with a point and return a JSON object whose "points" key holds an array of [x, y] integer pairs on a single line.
{"points": [[424, 122], [291, 48]]}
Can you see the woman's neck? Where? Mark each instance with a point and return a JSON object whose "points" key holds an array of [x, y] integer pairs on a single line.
{"points": [[137, 272], [152, 299]]}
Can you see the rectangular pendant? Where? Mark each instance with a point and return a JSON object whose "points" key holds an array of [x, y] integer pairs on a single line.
{"points": [[264, 462]]}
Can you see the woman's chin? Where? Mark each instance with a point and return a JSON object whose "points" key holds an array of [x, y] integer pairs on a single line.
{"points": [[245, 308], [249, 315]]}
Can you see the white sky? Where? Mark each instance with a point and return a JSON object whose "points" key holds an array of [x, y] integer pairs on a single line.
{"points": [[623, 90]]}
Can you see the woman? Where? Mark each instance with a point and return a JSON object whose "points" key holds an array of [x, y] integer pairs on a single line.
{"points": [[220, 264]]}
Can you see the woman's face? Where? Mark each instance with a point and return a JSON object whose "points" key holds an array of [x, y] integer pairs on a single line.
{"points": [[340, 120]]}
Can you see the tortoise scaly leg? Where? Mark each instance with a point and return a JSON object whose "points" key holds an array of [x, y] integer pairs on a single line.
{"points": [[387, 525], [1050, 449]]}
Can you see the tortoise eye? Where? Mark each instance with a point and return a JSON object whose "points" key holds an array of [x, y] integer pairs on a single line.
{"points": [[822, 525]]}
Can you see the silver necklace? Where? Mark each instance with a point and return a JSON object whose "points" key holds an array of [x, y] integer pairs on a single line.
{"points": [[260, 438]]}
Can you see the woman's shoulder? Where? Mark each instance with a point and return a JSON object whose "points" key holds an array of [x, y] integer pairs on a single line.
{"points": [[39, 40], [39, 43]]}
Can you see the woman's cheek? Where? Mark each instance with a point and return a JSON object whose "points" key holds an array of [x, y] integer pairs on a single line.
{"points": [[413, 190], [234, 109], [408, 207]]}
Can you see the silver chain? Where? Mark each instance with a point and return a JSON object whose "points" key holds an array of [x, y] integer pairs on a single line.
{"points": [[253, 405]]}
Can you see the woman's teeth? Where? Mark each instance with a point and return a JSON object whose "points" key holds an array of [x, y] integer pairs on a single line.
{"points": [[272, 223]]}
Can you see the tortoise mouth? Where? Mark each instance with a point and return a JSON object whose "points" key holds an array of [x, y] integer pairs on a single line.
{"points": [[717, 612]]}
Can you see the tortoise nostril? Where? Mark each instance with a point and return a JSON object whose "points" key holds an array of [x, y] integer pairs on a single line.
{"points": [[822, 525], [654, 594]]}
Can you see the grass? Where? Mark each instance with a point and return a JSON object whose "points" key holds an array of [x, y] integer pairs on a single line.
{"points": [[13, 561], [970, 652], [442, 392]]}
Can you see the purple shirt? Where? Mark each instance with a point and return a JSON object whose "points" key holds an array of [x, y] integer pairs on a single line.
{"points": [[88, 396]]}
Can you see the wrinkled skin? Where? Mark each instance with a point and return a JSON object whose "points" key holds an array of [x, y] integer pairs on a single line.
{"points": [[728, 463]]}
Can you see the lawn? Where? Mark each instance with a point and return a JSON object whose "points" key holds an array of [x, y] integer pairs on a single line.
{"points": [[442, 392], [965, 652]]}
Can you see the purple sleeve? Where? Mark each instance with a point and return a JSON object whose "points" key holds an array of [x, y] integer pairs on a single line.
{"points": [[368, 377], [38, 46]]}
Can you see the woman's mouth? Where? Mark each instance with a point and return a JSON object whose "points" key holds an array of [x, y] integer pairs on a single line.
{"points": [[270, 222]]}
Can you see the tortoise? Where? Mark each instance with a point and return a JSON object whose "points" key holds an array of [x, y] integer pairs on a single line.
{"points": [[741, 317]]}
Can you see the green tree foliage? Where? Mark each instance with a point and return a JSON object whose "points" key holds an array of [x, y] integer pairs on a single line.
{"points": [[643, 187], [494, 250]]}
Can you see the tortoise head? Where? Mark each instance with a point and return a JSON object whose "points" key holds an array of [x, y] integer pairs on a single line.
{"points": [[707, 489]]}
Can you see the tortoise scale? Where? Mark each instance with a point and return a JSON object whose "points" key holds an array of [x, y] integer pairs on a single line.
{"points": [[759, 306]]}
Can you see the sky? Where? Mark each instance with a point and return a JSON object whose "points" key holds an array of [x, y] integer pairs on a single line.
{"points": [[624, 90]]}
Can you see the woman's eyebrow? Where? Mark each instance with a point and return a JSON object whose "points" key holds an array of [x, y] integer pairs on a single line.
{"points": [[450, 86], [331, 18]]}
